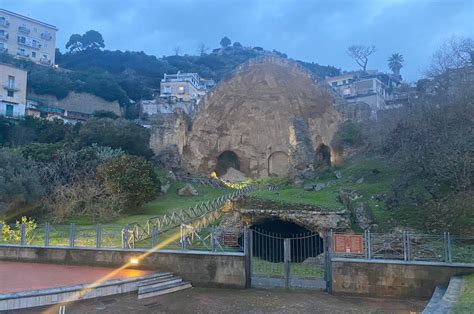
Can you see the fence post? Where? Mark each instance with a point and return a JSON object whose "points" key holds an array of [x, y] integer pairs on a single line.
{"points": [[445, 244], [287, 260], [248, 243], [72, 234], [369, 245], [98, 236], [154, 236], [125, 237], [366, 250], [328, 263], [22, 234], [449, 248], [213, 239], [46, 234], [405, 250]]}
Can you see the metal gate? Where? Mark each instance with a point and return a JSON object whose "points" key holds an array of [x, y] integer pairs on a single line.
{"points": [[299, 261]]}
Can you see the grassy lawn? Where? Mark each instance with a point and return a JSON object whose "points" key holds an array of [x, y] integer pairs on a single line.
{"points": [[377, 179], [111, 231], [466, 300]]}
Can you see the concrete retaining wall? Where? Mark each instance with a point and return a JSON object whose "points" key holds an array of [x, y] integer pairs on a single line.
{"points": [[205, 269], [392, 278]]}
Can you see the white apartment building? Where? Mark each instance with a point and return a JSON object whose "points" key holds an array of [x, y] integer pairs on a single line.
{"points": [[13, 91], [184, 86], [24, 37]]}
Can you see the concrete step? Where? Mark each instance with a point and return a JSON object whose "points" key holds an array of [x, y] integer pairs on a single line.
{"points": [[432, 306], [158, 283], [155, 279], [449, 298], [169, 288]]}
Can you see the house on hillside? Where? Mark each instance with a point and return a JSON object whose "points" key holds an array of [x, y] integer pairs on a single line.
{"points": [[27, 38], [185, 86], [371, 87], [13, 91]]}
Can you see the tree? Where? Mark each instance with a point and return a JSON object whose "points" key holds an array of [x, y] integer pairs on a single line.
{"points": [[453, 54], [395, 63], [130, 176], [225, 42], [361, 54], [92, 40], [202, 49], [20, 187], [75, 43], [116, 133], [177, 50], [237, 45]]}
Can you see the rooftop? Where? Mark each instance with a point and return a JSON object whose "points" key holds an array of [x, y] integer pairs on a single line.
{"points": [[29, 19]]}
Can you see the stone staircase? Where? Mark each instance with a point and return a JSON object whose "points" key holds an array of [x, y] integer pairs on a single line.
{"points": [[443, 299], [162, 284]]}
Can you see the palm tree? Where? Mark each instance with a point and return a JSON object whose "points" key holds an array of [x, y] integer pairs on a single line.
{"points": [[395, 63]]}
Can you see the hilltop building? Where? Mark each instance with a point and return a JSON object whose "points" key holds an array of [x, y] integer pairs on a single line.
{"points": [[184, 86], [26, 38], [371, 87], [13, 94]]}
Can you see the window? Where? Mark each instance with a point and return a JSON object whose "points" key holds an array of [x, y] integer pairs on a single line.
{"points": [[22, 39], [45, 45], [33, 54], [10, 93], [9, 111], [181, 89], [334, 84], [344, 82]]}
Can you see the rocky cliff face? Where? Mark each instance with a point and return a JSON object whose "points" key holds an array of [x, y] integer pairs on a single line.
{"points": [[271, 114]]}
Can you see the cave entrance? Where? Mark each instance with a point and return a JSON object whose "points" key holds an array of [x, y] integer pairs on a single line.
{"points": [[278, 230], [323, 156], [226, 160], [285, 254]]}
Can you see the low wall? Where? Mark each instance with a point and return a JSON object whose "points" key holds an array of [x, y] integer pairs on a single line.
{"points": [[205, 269], [392, 278]]}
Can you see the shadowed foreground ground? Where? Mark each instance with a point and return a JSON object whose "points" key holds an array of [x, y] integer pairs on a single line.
{"points": [[203, 300]]}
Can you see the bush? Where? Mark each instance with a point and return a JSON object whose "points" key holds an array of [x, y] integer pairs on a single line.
{"points": [[349, 134], [118, 133], [20, 187], [130, 176], [13, 233]]}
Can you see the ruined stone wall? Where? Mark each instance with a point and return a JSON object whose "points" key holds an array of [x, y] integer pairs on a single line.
{"points": [[169, 130], [269, 108], [79, 102]]}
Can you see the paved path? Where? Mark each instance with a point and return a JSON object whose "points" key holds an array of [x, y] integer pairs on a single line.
{"points": [[201, 300], [15, 276]]}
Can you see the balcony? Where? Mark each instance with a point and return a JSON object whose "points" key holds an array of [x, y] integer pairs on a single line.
{"points": [[45, 61], [10, 86], [46, 36], [3, 49], [34, 44], [4, 36], [4, 23], [24, 30], [22, 54]]}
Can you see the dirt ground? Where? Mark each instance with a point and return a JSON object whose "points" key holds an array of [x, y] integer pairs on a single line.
{"points": [[205, 300]]}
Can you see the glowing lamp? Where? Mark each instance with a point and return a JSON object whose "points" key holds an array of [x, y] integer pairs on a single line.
{"points": [[134, 261]]}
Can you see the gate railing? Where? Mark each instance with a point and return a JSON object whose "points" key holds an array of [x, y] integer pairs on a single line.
{"points": [[405, 246], [296, 260]]}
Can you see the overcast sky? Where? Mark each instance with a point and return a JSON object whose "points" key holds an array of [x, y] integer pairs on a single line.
{"points": [[318, 31]]}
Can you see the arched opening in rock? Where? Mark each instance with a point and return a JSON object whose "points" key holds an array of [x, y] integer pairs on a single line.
{"points": [[323, 156], [226, 160], [278, 164], [268, 241]]}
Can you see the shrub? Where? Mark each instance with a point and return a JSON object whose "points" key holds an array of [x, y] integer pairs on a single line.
{"points": [[119, 133], [13, 232], [130, 176]]}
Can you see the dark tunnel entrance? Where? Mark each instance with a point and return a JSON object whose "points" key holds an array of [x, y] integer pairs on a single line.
{"points": [[225, 161], [268, 241]]}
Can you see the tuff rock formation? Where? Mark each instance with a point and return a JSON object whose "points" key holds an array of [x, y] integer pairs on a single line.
{"points": [[270, 118]]}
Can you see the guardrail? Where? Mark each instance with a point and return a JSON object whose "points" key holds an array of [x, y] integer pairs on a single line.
{"points": [[404, 246]]}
